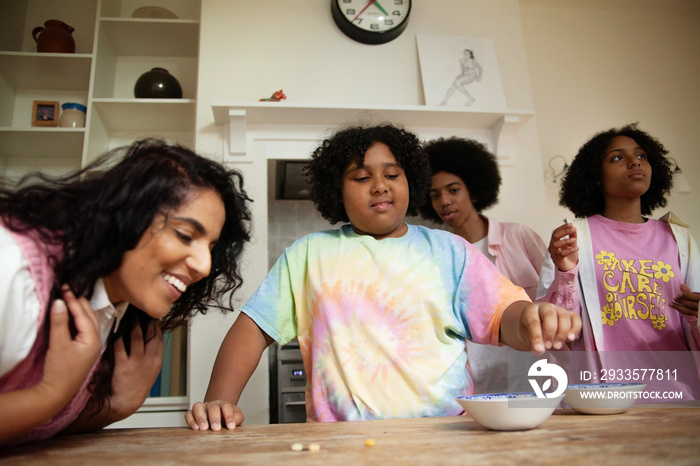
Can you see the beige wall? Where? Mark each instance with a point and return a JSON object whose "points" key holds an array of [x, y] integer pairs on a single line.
{"points": [[596, 64], [581, 69]]}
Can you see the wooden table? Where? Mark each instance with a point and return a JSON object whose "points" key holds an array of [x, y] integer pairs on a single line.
{"points": [[642, 435]]}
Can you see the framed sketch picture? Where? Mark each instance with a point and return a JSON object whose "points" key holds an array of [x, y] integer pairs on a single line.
{"points": [[45, 113], [460, 71]]}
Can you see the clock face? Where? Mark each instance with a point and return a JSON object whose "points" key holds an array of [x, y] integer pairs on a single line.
{"points": [[371, 21]]}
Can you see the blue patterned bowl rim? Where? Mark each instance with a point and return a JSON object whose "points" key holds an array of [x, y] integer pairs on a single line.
{"points": [[597, 386], [503, 396]]}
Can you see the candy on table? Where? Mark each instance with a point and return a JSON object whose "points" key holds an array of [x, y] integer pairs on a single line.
{"points": [[300, 447]]}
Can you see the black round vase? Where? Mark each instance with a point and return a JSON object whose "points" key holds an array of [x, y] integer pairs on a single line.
{"points": [[157, 84]]}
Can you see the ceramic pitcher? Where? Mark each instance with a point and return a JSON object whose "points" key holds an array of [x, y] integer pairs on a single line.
{"points": [[54, 37]]}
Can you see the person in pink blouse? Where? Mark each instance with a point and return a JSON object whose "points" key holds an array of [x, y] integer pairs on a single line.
{"points": [[466, 181]]}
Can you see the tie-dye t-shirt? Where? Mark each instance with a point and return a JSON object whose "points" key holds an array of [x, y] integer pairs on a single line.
{"points": [[382, 323]]}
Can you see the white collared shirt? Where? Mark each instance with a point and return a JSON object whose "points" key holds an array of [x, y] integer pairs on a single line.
{"points": [[19, 305]]}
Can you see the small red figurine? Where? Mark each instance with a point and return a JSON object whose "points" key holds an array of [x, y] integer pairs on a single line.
{"points": [[276, 97]]}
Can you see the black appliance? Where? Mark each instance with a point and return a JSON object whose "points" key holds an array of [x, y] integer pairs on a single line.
{"points": [[287, 384]]}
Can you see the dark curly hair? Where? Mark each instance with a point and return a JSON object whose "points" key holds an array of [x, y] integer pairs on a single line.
{"points": [[580, 191], [99, 213], [329, 161], [472, 162]]}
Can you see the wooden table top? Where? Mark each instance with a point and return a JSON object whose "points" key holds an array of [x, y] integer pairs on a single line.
{"points": [[642, 435]]}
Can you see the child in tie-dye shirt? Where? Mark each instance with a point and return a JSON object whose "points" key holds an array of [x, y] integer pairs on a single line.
{"points": [[381, 309]]}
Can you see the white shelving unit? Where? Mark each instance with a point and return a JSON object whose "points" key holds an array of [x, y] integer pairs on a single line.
{"points": [[112, 50]]}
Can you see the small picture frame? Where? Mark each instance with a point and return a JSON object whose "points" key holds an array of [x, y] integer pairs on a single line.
{"points": [[45, 113]]}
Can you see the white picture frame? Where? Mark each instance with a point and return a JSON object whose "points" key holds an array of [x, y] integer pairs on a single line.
{"points": [[460, 71]]}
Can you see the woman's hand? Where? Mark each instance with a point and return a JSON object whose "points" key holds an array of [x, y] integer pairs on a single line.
{"points": [[66, 366], [686, 302], [563, 247], [69, 360], [207, 415], [135, 373], [132, 379]]}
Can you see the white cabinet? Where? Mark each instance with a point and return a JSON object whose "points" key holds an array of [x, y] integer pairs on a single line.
{"points": [[113, 49]]}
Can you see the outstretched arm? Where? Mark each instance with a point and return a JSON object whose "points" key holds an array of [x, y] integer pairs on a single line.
{"points": [[538, 327], [132, 379], [238, 357], [68, 362]]}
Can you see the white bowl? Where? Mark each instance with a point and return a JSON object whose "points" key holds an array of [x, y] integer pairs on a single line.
{"points": [[603, 398], [509, 411]]}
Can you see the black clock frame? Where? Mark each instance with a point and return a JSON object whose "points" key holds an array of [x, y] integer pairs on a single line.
{"points": [[362, 35]]}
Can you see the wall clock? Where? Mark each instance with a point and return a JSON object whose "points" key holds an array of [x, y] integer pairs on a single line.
{"points": [[371, 21]]}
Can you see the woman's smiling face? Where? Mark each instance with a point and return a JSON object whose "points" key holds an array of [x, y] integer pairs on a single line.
{"points": [[376, 195], [174, 252]]}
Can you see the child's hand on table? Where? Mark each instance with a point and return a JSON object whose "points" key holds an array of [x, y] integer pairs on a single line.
{"points": [[206, 415]]}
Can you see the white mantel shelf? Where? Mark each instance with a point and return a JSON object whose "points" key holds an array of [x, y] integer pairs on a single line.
{"points": [[238, 115]]}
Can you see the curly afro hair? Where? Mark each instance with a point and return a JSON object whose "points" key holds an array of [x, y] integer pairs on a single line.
{"points": [[330, 160], [580, 191], [473, 163]]}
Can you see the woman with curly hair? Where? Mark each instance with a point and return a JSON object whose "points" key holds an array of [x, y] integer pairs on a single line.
{"points": [[630, 277], [381, 309], [94, 266], [466, 181]]}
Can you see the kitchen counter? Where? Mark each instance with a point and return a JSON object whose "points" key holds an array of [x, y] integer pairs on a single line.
{"points": [[642, 435]]}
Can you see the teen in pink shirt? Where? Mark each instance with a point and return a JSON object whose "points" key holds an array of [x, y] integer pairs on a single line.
{"points": [[630, 277]]}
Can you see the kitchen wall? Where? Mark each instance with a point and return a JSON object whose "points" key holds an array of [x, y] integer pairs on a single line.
{"points": [[596, 64], [288, 220], [581, 65]]}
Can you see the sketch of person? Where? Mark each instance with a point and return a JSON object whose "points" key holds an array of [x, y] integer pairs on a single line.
{"points": [[471, 71]]}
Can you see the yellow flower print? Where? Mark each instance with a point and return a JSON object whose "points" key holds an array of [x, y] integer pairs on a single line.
{"points": [[605, 257], [664, 271], [659, 323], [607, 318]]}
